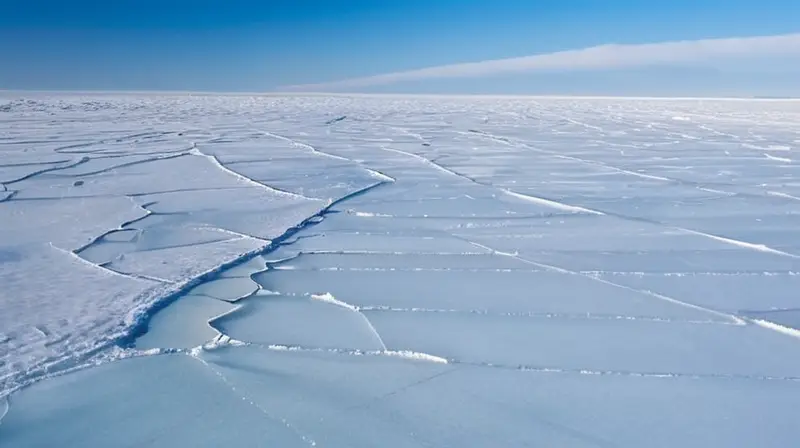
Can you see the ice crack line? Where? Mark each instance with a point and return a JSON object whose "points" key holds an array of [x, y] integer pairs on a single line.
{"points": [[235, 234], [628, 373], [403, 354], [305, 438], [159, 157], [9, 195], [401, 389], [545, 315], [305, 146], [735, 319], [140, 320], [329, 298], [730, 241], [577, 209], [793, 332], [742, 244], [535, 199], [596, 163], [702, 186], [110, 271], [335, 120], [223, 340], [81, 161], [783, 195], [374, 173], [196, 151], [424, 357]]}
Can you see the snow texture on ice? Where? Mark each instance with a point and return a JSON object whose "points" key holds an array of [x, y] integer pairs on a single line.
{"points": [[370, 271]]}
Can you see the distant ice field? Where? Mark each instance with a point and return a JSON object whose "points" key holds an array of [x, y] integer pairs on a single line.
{"points": [[366, 271]]}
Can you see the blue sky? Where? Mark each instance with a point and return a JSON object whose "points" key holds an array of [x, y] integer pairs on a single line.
{"points": [[253, 46]]}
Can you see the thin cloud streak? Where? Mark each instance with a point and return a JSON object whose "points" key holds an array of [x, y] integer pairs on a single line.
{"points": [[701, 53]]}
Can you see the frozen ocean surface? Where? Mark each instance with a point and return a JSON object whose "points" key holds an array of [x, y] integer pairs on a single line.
{"points": [[205, 270]]}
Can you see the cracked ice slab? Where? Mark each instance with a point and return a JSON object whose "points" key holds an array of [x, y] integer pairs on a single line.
{"points": [[528, 312], [227, 289], [196, 173], [11, 172], [96, 407], [68, 223], [405, 262], [116, 244], [250, 211], [383, 243], [335, 399], [493, 291], [443, 200], [298, 321], [202, 217], [732, 292], [292, 168], [621, 345], [181, 263], [584, 410], [364, 401]]}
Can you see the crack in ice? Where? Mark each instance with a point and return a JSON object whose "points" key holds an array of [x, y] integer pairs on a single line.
{"points": [[196, 152], [329, 298]]}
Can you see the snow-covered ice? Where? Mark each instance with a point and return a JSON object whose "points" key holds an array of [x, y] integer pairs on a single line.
{"points": [[364, 271]]}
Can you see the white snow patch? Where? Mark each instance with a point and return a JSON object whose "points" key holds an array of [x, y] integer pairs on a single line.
{"points": [[793, 332], [778, 159], [553, 204], [286, 267], [329, 298], [743, 244], [368, 214], [288, 348], [783, 195], [151, 351], [379, 175], [417, 356], [220, 341]]}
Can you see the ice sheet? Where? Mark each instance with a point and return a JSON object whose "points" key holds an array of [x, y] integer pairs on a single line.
{"points": [[370, 271], [121, 187]]}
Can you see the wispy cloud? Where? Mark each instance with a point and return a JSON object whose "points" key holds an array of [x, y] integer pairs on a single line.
{"points": [[707, 52]]}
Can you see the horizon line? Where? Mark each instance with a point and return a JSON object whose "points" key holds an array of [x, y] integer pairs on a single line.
{"points": [[391, 95]]}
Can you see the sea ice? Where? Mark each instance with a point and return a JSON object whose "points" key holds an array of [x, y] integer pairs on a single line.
{"points": [[366, 271]]}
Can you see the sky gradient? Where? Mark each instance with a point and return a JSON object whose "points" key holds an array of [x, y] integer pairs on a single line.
{"points": [[261, 46]]}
